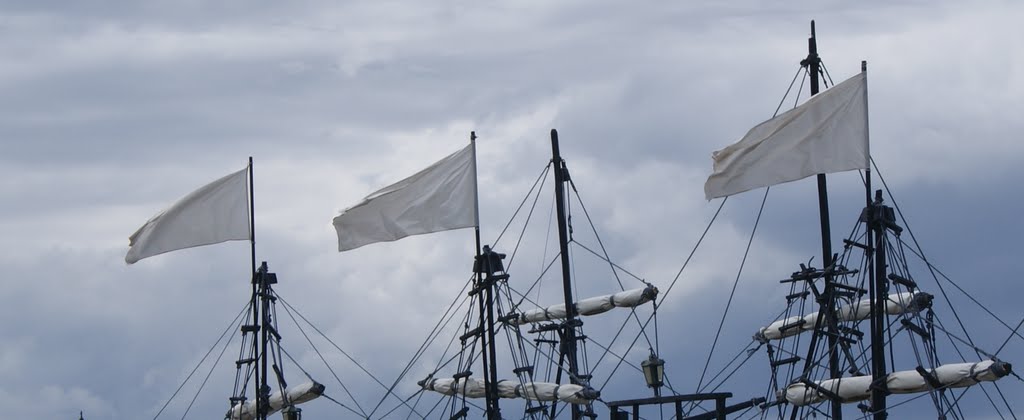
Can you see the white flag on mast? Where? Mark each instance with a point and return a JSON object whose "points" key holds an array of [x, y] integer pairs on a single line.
{"points": [[828, 133], [440, 197], [215, 213]]}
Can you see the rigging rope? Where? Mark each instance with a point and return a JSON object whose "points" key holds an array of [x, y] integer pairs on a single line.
{"points": [[693, 251], [207, 378], [523, 296], [748, 351], [920, 250], [1012, 333], [529, 216], [342, 405], [321, 356], [789, 89], [215, 344], [297, 365], [426, 342], [607, 258], [796, 98], [674, 280], [335, 345], [920, 253], [735, 283]]}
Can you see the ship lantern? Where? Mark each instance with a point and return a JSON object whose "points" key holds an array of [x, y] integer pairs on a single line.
{"points": [[292, 413], [654, 371]]}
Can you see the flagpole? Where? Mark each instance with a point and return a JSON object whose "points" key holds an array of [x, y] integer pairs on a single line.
{"points": [[476, 192], [867, 172], [252, 220], [255, 293]]}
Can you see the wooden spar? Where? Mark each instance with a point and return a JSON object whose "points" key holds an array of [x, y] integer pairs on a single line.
{"points": [[813, 64], [490, 354], [569, 326]]}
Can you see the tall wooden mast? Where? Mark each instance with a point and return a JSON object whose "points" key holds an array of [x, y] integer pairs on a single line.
{"points": [[826, 300], [878, 219], [569, 327], [486, 264]]}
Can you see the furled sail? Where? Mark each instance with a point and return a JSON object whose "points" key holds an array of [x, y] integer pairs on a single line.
{"points": [[895, 304], [296, 395], [537, 391], [590, 306], [955, 375]]}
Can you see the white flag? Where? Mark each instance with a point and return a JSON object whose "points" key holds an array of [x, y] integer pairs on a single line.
{"points": [[828, 133], [215, 213], [440, 197]]}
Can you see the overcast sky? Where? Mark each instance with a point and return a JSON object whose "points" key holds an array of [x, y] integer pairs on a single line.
{"points": [[114, 109]]}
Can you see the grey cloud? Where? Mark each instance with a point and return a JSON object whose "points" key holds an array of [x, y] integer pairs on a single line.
{"points": [[115, 109]]}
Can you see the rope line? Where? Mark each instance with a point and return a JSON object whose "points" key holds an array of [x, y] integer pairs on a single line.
{"points": [[606, 257], [321, 356], [543, 174], [335, 345], [735, 283], [340, 404], [207, 378], [693, 251], [215, 344], [920, 253], [426, 342], [1012, 333]]}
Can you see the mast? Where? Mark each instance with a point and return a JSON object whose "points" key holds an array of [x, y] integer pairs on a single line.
{"points": [[486, 266], [263, 393], [813, 64], [879, 218], [568, 347], [878, 290]]}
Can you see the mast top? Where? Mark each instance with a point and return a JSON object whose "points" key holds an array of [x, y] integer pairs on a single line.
{"points": [[813, 61], [556, 155]]}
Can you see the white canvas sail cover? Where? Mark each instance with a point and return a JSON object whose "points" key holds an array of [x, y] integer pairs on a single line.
{"points": [[296, 395], [536, 391], [895, 304], [827, 134], [438, 198], [590, 306], [466, 387], [546, 391], [954, 375]]}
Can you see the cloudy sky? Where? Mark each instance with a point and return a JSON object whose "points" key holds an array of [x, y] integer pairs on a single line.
{"points": [[114, 109]]}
